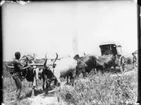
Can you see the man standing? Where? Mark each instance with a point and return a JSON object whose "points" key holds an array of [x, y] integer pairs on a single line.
{"points": [[18, 68], [134, 60]]}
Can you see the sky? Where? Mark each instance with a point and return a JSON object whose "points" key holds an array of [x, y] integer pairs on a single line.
{"points": [[50, 27]]}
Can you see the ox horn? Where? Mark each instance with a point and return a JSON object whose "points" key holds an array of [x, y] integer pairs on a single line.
{"points": [[84, 53], [25, 57], [55, 58], [46, 56], [30, 57], [45, 60], [55, 61]]}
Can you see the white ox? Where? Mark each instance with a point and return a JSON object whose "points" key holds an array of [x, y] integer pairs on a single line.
{"points": [[66, 67], [63, 67]]}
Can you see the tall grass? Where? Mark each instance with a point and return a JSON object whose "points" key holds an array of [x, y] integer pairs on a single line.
{"points": [[96, 89], [102, 90], [9, 92]]}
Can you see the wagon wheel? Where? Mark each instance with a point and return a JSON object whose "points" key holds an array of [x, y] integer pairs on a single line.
{"points": [[122, 63]]}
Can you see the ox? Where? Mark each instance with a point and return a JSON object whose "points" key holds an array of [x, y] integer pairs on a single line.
{"points": [[64, 67], [47, 74], [108, 61], [30, 74]]}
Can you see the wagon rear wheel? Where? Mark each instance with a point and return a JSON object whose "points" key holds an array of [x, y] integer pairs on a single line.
{"points": [[122, 63]]}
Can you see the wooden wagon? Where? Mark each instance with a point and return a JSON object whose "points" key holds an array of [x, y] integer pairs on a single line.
{"points": [[111, 49]]}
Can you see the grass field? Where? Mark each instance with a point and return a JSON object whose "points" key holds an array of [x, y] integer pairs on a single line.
{"points": [[105, 89], [96, 89]]}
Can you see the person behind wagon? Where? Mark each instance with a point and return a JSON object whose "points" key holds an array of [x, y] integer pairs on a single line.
{"points": [[134, 60], [18, 68]]}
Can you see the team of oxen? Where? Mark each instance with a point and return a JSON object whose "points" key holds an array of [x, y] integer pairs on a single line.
{"points": [[65, 67]]}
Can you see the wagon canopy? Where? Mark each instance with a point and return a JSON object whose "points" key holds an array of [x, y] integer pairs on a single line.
{"points": [[110, 48]]}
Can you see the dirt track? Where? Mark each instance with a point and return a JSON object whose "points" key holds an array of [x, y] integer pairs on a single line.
{"points": [[44, 100], [47, 99]]}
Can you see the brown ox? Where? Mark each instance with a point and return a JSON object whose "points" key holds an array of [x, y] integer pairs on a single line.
{"points": [[108, 61], [85, 64]]}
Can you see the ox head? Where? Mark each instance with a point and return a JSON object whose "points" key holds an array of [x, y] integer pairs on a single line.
{"points": [[24, 60], [84, 53], [31, 58], [52, 60]]}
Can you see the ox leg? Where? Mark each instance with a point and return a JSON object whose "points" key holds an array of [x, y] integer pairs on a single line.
{"points": [[76, 74], [36, 75], [57, 77], [69, 76], [44, 82], [102, 70], [114, 68], [72, 79], [33, 87], [83, 72], [110, 69], [67, 79], [47, 87], [122, 68], [55, 81], [95, 70], [84, 75], [58, 80], [33, 92], [36, 84]]}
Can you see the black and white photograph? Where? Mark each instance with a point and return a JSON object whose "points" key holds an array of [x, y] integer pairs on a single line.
{"points": [[70, 53]]}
